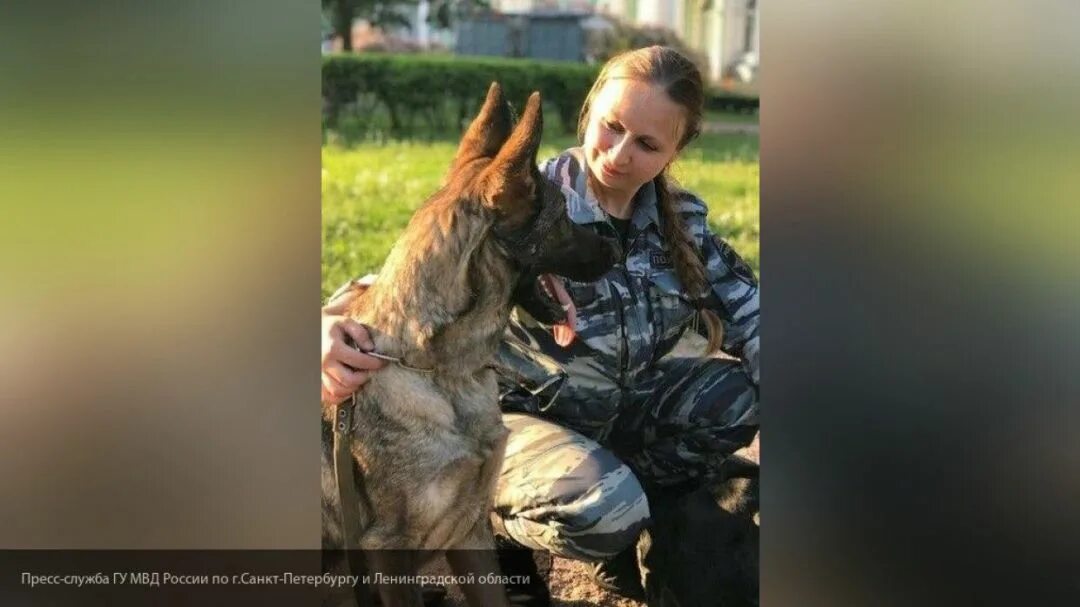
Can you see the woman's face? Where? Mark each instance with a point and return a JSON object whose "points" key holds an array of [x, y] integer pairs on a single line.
{"points": [[632, 133]]}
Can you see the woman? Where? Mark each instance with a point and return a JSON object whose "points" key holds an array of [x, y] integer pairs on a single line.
{"points": [[598, 416]]}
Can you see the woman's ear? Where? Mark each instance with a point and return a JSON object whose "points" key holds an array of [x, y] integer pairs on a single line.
{"points": [[690, 136]]}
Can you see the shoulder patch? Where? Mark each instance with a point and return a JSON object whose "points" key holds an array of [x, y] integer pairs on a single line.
{"points": [[735, 263], [659, 260]]}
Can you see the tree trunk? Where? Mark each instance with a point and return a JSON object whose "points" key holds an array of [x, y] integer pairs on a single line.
{"points": [[343, 18]]}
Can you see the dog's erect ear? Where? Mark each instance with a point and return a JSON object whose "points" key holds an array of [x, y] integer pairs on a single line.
{"points": [[508, 179], [488, 130]]}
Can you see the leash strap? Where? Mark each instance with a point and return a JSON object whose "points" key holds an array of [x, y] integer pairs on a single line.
{"points": [[397, 360], [349, 496]]}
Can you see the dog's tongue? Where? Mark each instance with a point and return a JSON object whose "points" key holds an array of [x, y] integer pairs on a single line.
{"points": [[564, 329]]}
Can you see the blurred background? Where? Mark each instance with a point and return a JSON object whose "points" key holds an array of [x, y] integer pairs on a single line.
{"points": [[159, 274]]}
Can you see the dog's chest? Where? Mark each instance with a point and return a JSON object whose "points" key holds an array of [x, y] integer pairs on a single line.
{"points": [[420, 423], [430, 455]]}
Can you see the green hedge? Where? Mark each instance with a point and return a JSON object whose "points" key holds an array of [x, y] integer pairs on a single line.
{"points": [[731, 102], [442, 92]]}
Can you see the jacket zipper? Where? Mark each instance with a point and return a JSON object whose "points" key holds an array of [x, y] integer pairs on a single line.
{"points": [[624, 344]]}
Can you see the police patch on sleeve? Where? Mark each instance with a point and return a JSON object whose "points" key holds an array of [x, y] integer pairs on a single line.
{"points": [[735, 263], [659, 260]]}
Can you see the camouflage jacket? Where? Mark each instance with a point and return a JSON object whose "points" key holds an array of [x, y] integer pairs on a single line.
{"points": [[627, 320]]}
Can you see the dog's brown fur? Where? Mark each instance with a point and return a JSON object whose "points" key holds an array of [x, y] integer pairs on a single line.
{"points": [[429, 446]]}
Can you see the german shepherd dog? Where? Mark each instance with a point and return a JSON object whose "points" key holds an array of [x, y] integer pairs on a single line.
{"points": [[428, 437]]}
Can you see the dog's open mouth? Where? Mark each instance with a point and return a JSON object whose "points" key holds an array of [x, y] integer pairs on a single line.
{"points": [[563, 329]]}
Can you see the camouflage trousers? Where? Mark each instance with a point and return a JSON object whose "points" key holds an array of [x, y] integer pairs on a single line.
{"points": [[584, 497]]}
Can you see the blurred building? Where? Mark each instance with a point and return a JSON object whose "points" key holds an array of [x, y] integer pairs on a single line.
{"points": [[726, 32], [546, 35], [419, 35]]}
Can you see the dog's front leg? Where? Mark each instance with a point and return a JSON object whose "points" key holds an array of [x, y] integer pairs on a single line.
{"points": [[388, 569], [475, 557], [480, 566]]}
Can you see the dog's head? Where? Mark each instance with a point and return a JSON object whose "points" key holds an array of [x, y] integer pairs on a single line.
{"points": [[530, 222]]}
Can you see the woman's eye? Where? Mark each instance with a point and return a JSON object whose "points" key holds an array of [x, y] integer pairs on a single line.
{"points": [[614, 126], [647, 146]]}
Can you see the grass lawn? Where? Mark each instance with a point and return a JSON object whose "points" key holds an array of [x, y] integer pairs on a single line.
{"points": [[730, 117], [369, 191]]}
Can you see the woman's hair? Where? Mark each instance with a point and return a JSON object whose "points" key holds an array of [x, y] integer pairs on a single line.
{"points": [[670, 70]]}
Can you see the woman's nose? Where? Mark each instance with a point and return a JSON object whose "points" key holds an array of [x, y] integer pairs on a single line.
{"points": [[620, 152]]}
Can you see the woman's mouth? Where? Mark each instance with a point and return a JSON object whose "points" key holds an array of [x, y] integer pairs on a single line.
{"points": [[610, 171]]}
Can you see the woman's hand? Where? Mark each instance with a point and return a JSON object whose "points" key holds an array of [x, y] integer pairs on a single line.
{"points": [[344, 369]]}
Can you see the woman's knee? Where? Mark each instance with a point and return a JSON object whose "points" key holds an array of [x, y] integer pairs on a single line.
{"points": [[608, 516], [566, 494]]}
